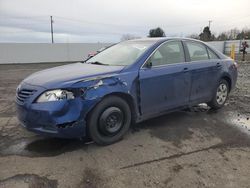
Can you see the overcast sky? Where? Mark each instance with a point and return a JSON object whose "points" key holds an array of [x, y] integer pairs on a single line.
{"points": [[108, 20]]}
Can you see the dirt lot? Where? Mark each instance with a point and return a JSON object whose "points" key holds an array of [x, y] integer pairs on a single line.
{"points": [[193, 148]]}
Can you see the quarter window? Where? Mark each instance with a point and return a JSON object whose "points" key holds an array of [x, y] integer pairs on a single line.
{"points": [[197, 51], [169, 53]]}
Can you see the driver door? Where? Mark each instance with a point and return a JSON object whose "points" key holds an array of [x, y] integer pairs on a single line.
{"points": [[165, 79]]}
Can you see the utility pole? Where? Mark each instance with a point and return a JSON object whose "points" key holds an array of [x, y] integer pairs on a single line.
{"points": [[209, 23], [51, 29]]}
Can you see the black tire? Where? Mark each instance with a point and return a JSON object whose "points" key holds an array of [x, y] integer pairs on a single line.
{"points": [[109, 120], [217, 102]]}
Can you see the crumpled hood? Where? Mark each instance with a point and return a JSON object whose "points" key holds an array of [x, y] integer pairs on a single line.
{"points": [[69, 74]]}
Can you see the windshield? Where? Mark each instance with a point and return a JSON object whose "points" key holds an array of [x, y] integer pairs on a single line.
{"points": [[122, 54]]}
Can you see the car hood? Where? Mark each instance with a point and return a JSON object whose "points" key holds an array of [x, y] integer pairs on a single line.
{"points": [[69, 74]]}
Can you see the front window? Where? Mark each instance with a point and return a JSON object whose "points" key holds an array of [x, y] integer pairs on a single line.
{"points": [[121, 54], [169, 53]]}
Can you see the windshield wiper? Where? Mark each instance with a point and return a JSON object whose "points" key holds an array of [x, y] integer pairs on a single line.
{"points": [[97, 63]]}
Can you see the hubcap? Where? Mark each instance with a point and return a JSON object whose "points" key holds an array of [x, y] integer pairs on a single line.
{"points": [[111, 121], [221, 94]]}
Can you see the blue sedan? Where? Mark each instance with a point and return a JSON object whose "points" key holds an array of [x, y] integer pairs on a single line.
{"points": [[126, 83]]}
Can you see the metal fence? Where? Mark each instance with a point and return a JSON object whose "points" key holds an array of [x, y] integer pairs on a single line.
{"points": [[226, 46]]}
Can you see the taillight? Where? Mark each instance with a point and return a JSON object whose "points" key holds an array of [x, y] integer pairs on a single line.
{"points": [[235, 65]]}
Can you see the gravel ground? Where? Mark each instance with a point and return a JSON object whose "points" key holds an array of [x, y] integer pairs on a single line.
{"points": [[196, 148]]}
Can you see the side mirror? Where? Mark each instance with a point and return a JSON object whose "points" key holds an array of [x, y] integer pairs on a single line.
{"points": [[149, 64], [90, 55]]}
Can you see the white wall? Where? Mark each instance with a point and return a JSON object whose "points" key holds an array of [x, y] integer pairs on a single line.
{"points": [[59, 52], [43, 52], [218, 45]]}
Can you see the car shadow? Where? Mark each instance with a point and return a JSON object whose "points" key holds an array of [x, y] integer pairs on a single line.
{"points": [[37, 146], [176, 127], [197, 123], [47, 147], [165, 127]]}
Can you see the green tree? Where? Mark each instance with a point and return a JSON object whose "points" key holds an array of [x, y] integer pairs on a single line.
{"points": [[206, 34], [157, 32]]}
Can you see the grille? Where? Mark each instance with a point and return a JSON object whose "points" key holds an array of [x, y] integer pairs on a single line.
{"points": [[24, 94]]}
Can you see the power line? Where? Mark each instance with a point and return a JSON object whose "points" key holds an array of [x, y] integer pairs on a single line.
{"points": [[96, 23], [121, 25], [135, 27], [87, 31]]}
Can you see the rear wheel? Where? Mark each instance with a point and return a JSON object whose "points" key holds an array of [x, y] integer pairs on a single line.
{"points": [[220, 96], [109, 120]]}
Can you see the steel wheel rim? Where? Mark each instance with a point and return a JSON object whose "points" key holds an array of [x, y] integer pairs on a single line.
{"points": [[221, 94], [111, 121]]}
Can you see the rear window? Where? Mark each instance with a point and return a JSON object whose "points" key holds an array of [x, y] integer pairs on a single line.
{"points": [[197, 51], [211, 54]]}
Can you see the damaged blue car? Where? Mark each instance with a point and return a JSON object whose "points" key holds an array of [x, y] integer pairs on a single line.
{"points": [[126, 83]]}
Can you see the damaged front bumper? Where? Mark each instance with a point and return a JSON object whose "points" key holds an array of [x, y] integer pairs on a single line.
{"points": [[58, 119]]}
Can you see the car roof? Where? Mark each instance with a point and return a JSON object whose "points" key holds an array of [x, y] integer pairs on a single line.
{"points": [[158, 39]]}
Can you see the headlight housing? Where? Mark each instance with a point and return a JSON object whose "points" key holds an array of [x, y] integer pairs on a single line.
{"points": [[55, 95]]}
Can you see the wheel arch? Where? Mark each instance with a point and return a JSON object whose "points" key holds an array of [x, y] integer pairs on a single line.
{"points": [[228, 79], [126, 97]]}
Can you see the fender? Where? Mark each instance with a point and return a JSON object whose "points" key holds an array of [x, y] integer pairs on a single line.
{"points": [[95, 89]]}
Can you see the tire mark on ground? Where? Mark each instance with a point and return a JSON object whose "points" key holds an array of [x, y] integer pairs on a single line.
{"points": [[178, 155]]}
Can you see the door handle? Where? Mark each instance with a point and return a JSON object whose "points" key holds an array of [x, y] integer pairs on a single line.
{"points": [[185, 69], [218, 65]]}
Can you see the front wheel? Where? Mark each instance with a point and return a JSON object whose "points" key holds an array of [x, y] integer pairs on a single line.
{"points": [[109, 120], [220, 95]]}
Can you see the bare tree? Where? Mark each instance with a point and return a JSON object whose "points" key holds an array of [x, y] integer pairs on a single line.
{"points": [[194, 36], [232, 34], [129, 37], [222, 36]]}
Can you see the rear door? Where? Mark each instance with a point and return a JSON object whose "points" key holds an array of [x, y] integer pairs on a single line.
{"points": [[205, 67], [165, 84]]}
